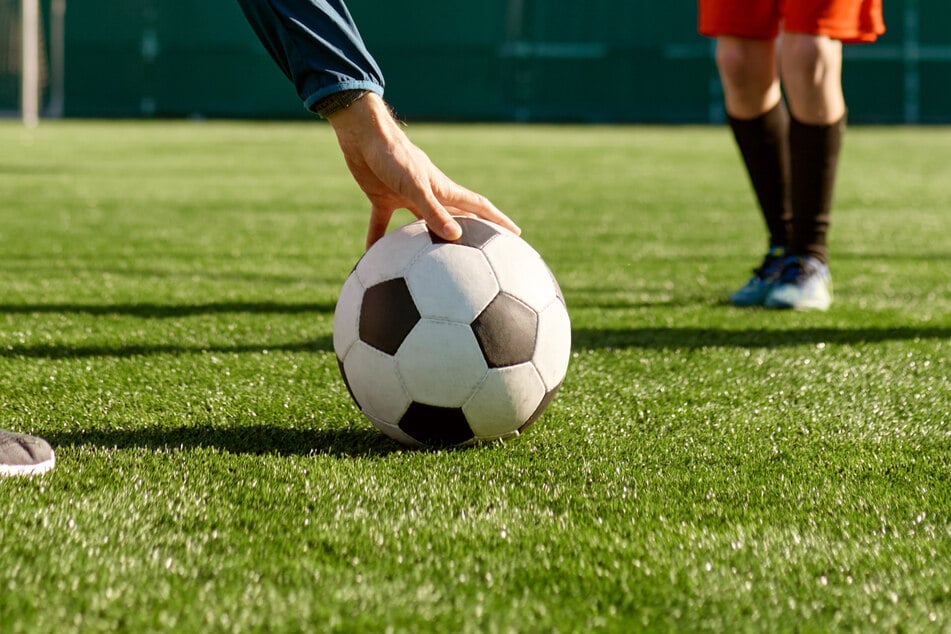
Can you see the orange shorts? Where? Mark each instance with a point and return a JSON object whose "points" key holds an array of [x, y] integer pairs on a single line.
{"points": [[846, 20]]}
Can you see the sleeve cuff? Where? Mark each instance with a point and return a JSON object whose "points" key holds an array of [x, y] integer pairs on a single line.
{"points": [[315, 102]]}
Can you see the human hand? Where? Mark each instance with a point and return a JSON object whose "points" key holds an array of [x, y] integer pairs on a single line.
{"points": [[395, 174]]}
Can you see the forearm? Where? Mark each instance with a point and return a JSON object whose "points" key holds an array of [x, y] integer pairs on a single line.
{"points": [[316, 44]]}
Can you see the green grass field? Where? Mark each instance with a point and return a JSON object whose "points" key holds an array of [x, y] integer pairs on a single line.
{"points": [[166, 298]]}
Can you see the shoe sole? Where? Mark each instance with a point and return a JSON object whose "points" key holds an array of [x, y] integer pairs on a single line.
{"points": [[787, 306], [751, 302], [746, 304], [28, 469]]}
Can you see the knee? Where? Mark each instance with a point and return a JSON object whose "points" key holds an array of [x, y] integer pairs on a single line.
{"points": [[733, 65], [745, 66], [809, 62]]}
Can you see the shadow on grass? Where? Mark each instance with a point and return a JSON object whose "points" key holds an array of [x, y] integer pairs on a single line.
{"points": [[165, 311], [582, 339], [255, 440], [53, 351], [661, 338]]}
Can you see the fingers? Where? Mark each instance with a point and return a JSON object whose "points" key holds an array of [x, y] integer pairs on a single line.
{"points": [[439, 217], [446, 228], [425, 204], [439, 220], [379, 221], [466, 202], [408, 179]]}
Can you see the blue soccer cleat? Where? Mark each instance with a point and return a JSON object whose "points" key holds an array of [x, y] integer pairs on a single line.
{"points": [[803, 284], [754, 292]]}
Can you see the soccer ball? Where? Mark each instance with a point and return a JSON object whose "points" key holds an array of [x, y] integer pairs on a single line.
{"points": [[452, 343]]}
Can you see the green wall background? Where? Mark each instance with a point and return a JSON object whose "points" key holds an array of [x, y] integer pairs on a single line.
{"points": [[497, 60]]}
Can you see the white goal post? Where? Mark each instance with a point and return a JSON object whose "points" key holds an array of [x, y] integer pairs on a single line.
{"points": [[32, 55], [30, 89]]}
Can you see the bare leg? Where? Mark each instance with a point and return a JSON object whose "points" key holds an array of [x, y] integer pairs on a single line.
{"points": [[749, 75], [811, 69]]}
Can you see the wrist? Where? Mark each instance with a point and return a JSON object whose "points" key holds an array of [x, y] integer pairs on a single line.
{"points": [[338, 101], [368, 115]]}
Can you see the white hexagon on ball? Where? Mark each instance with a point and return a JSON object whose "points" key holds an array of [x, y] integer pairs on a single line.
{"points": [[441, 363], [393, 431], [521, 270], [451, 282], [554, 329], [403, 245], [506, 395], [347, 316], [374, 381]]}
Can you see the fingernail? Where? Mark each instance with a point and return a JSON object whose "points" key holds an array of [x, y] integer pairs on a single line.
{"points": [[451, 230]]}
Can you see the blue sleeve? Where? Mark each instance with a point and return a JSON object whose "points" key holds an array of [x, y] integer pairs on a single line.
{"points": [[316, 44]]}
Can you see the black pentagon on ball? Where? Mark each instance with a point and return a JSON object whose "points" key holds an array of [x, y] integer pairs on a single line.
{"points": [[436, 426], [387, 315], [475, 234], [506, 331]]}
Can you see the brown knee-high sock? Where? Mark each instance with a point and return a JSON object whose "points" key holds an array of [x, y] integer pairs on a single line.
{"points": [[815, 157], [763, 143]]}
